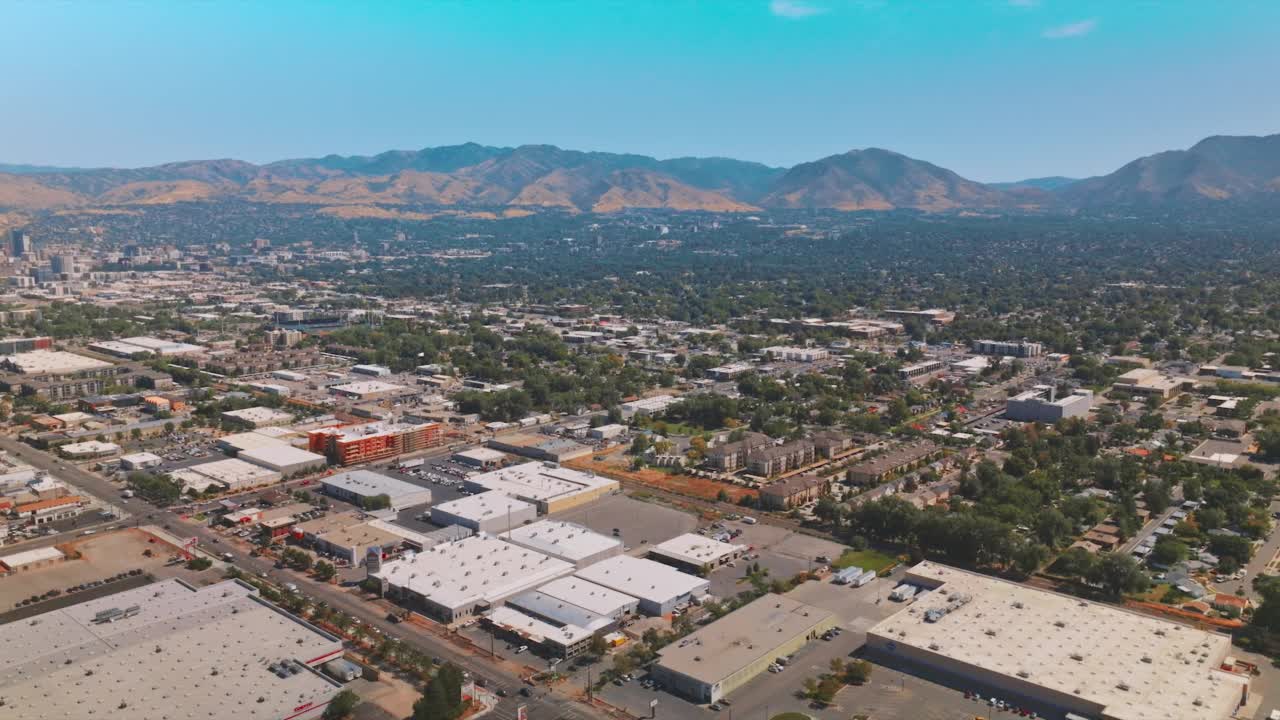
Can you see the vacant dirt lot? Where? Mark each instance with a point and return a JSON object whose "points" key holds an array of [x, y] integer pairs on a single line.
{"points": [[617, 465], [101, 556]]}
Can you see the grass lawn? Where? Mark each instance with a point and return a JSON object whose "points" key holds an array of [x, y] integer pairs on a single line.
{"points": [[865, 559]]}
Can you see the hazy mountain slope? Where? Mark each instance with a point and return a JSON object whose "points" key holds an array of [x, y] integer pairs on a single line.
{"points": [[1216, 168], [875, 179]]}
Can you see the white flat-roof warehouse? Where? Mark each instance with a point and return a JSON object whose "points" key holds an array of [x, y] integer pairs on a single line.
{"points": [[236, 474], [548, 486], [728, 653], [695, 552], [284, 459], [256, 417], [659, 588], [359, 485], [565, 540], [452, 581], [167, 650], [52, 362], [489, 512], [1075, 656]]}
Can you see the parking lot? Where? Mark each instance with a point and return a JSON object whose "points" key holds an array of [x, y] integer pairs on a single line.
{"points": [[891, 694], [784, 553], [639, 523]]}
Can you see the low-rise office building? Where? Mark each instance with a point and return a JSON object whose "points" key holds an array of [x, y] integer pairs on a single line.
{"points": [[456, 581], [1061, 653], [797, 354], [717, 659], [1145, 382], [658, 588], [1040, 404], [140, 461]]}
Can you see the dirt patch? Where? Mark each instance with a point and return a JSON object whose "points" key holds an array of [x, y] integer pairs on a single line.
{"points": [[91, 558], [615, 465]]}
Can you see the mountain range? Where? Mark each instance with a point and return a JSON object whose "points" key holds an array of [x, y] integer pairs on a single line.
{"points": [[529, 177]]}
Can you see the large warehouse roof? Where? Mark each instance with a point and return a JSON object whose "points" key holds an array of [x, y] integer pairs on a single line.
{"points": [[484, 506], [644, 579], [367, 483], [279, 456], [53, 362], [741, 638], [540, 482], [1134, 666], [479, 568], [587, 595], [169, 652], [564, 540]]}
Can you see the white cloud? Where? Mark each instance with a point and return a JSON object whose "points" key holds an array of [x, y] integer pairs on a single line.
{"points": [[794, 9], [1070, 30]]}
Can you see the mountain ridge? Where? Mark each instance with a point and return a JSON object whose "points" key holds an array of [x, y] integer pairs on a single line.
{"points": [[1218, 168]]}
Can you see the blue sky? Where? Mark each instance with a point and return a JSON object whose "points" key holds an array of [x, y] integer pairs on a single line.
{"points": [[993, 89]]}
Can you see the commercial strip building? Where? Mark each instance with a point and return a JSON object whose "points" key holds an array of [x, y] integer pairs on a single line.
{"points": [[658, 588], [488, 512], [549, 487], [369, 442], [1040, 404], [167, 650], [1060, 652], [565, 541], [1013, 348], [455, 581], [717, 659], [361, 486], [695, 553]]}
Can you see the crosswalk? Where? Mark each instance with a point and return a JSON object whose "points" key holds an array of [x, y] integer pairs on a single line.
{"points": [[508, 709]]}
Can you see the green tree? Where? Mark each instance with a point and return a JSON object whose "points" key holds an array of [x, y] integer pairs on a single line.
{"points": [[324, 571], [1118, 574], [341, 706], [1168, 550]]}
